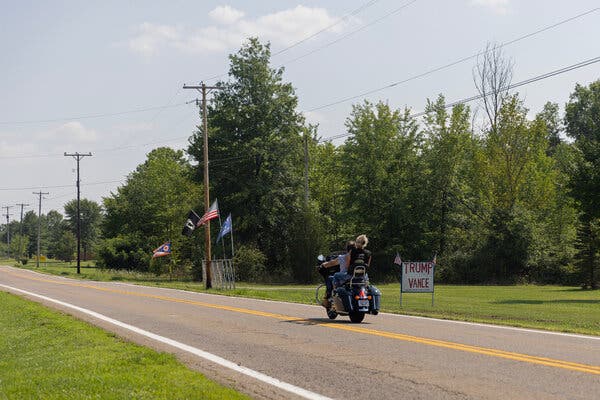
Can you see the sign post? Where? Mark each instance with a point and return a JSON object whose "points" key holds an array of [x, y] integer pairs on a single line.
{"points": [[417, 277]]}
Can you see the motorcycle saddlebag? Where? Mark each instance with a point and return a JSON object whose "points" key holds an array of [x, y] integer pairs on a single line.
{"points": [[376, 300], [344, 295]]}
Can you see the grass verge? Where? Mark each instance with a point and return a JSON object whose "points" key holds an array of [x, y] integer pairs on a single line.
{"points": [[50, 355], [556, 308]]}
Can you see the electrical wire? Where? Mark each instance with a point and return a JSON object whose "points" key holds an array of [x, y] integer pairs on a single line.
{"points": [[340, 20], [506, 88], [58, 186], [459, 61], [92, 116], [389, 14]]}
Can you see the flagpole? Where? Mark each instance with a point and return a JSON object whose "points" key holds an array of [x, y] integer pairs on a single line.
{"points": [[222, 241], [231, 233], [232, 254]]}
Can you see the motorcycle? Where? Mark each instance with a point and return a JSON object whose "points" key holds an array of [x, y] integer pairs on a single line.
{"points": [[355, 298]]}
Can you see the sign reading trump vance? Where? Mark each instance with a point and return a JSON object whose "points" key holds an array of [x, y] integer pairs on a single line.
{"points": [[417, 276]]}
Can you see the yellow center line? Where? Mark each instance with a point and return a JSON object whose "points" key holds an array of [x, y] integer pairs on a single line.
{"points": [[590, 369]]}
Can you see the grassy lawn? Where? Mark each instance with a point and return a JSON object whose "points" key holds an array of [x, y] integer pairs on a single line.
{"points": [[557, 308], [49, 355]]}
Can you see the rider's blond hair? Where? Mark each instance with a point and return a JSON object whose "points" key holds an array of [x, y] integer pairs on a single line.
{"points": [[362, 241]]}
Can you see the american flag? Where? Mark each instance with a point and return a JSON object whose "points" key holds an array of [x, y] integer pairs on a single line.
{"points": [[212, 213]]}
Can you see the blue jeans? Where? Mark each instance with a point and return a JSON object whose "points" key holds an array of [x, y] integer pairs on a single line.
{"points": [[340, 277], [329, 285]]}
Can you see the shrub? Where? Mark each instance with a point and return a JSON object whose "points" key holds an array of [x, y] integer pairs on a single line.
{"points": [[123, 252], [249, 264]]}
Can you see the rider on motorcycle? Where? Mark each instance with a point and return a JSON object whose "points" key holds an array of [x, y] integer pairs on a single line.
{"points": [[342, 261], [358, 254]]}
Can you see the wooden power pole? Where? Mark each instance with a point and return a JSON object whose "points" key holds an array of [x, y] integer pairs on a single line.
{"points": [[78, 157], [202, 88]]}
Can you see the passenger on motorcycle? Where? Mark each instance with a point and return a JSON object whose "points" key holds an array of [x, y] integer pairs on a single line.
{"points": [[357, 255], [342, 261]]}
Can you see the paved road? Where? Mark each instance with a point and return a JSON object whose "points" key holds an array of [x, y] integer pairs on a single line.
{"points": [[284, 350]]}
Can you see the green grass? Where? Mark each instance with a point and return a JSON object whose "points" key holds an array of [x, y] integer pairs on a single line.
{"points": [[556, 308], [49, 355]]}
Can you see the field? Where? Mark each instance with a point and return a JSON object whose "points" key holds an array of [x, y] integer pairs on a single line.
{"points": [[556, 308], [46, 354]]}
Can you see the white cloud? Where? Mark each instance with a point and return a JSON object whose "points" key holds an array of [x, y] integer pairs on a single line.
{"points": [[498, 6], [150, 37], [226, 14], [69, 133], [280, 28]]}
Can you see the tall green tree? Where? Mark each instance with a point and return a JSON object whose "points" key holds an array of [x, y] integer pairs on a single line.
{"points": [[90, 222], [255, 146], [582, 120], [149, 209], [55, 227], [382, 174]]}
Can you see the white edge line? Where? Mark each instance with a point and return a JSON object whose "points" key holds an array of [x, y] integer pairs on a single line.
{"points": [[510, 328], [193, 350]]}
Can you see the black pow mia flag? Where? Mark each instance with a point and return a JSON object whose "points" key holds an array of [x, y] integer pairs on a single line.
{"points": [[190, 224]]}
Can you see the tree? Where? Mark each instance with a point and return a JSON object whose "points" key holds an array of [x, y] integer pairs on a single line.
{"points": [[90, 220], [492, 77], [55, 227], [550, 116], [149, 209], [255, 143], [381, 175], [66, 247], [582, 120]]}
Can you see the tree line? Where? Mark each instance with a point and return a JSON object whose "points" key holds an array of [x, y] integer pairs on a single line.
{"points": [[498, 195]]}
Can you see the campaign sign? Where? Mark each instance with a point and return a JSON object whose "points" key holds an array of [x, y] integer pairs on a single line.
{"points": [[417, 276]]}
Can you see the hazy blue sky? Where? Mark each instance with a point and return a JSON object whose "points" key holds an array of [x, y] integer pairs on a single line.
{"points": [[71, 72]]}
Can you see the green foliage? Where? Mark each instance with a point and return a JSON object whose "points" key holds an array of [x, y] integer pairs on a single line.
{"points": [[66, 247], [90, 223], [249, 264], [123, 252], [148, 210], [18, 245], [255, 147], [582, 120]]}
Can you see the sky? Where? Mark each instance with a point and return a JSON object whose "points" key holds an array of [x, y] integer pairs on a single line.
{"points": [[106, 76]]}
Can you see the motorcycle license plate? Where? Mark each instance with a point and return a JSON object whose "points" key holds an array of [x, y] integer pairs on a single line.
{"points": [[363, 303]]}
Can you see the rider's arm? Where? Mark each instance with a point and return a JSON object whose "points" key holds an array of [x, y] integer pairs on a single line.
{"points": [[331, 263]]}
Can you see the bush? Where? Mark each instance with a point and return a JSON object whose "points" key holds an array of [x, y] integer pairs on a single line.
{"points": [[249, 264], [123, 252]]}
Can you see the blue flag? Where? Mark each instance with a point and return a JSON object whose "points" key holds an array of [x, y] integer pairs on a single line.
{"points": [[225, 229]]}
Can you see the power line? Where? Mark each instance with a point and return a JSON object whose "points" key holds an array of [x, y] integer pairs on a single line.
{"points": [[390, 13], [340, 20], [57, 186], [395, 11], [459, 61], [346, 16], [509, 87], [91, 116]]}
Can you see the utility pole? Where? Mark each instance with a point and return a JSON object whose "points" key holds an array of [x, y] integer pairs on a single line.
{"points": [[21, 227], [7, 231], [78, 156], [202, 88], [306, 193], [40, 193]]}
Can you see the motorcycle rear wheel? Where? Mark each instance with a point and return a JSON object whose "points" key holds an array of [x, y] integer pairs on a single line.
{"points": [[357, 317]]}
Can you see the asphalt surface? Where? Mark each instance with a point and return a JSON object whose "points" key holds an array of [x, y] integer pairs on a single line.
{"points": [[385, 357]]}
